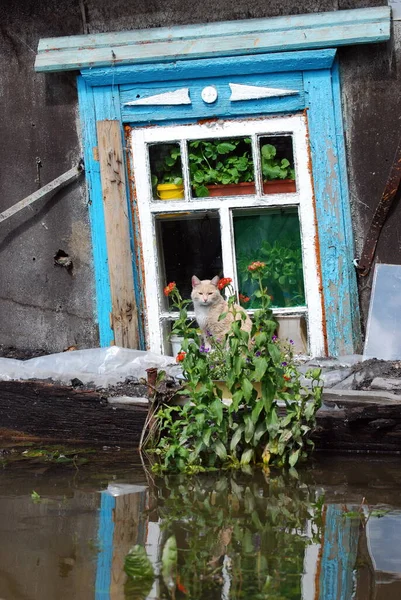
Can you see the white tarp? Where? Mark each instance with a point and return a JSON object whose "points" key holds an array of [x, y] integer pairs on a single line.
{"points": [[100, 366]]}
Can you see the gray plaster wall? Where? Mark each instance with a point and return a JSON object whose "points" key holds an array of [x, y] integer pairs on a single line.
{"points": [[42, 305]]}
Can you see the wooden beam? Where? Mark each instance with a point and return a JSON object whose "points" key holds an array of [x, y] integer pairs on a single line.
{"points": [[124, 318], [250, 36], [46, 192]]}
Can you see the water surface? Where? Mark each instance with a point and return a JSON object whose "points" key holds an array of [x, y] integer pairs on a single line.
{"points": [[331, 531]]}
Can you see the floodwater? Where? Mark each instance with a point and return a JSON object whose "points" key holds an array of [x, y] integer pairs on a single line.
{"points": [[69, 518]]}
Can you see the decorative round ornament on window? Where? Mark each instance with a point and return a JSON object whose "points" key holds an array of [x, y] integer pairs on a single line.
{"points": [[209, 94]]}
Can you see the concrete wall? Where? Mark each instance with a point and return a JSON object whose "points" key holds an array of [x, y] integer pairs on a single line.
{"points": [[41, 304]]}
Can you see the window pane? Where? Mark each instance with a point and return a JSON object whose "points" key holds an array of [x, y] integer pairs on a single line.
{"points": [[189, 246], [166, 171], [293, 328], [221, 167], [272, 237], [172, 343], [277, 164]]}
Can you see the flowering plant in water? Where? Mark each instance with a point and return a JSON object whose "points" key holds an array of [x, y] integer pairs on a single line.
{"points": [[260, 372]]}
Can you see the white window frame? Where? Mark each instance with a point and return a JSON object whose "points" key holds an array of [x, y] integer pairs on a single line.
{"points": [[303, 199]]}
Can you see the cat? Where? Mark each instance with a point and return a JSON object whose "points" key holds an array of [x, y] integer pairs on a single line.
{"points": [[209, 304]]}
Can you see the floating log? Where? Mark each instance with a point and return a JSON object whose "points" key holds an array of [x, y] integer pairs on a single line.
{"points": [[49, 412], [359, 421]]}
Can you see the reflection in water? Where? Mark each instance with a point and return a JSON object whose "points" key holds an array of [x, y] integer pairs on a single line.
{"points": [[223, 536]]}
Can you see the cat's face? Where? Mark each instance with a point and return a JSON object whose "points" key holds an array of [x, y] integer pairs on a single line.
{"points": [[205, 293]]}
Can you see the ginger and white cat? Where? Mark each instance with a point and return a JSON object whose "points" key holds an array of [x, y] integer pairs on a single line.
{"points": [[209, 304]]}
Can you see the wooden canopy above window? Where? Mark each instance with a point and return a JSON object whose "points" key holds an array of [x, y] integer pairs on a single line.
{"points": [[251, 36]]}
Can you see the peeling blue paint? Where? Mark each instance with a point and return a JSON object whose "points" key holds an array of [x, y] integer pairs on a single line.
{"points": [[262, 64], [319, 92], [339, 555], [346, 208], [96, 215], [232, 38], [222, 107], [334, 221], [105, 541]]}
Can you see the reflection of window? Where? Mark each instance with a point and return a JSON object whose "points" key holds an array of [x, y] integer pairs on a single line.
{"points": [[272, 237], [209, 232]]}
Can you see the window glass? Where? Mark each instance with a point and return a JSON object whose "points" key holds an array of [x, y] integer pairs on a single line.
{"points": [[221, 167], [293, 329], [272, 237], [277, 164], [189, 245], [166, 171]]}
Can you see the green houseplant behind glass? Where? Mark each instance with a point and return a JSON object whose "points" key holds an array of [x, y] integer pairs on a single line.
{"points": [[272, 237]]}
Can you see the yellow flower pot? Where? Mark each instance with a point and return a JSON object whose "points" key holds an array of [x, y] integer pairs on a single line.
{"points": [[170, 191]]}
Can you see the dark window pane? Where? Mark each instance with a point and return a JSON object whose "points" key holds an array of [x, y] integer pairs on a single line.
{"points": [[277, 164], [166, 171], [272, 237], [189, 246]]}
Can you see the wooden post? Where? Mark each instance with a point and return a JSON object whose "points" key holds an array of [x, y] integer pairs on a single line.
{"points": [[124, 318]]}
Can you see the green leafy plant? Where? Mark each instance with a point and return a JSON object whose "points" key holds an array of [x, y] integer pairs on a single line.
{"points": [[205, 433], [218, 161], [167, 167], [140, 574], [182, 326], [272, 167], [283, 272], [36, 498], [67, 456], [257, 527]]}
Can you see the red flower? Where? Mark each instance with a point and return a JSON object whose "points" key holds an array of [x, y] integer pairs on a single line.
{"points": [[224, 282], [180, 586], [243, 298], [169, 288], [256, 265], [287, 377], [180, 356]]}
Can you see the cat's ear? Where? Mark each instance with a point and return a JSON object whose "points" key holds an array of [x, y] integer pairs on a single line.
{"points": [[195, 281], [215, 280]]}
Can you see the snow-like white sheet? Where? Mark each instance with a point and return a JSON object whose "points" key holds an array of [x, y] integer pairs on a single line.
{"points": [[100, 366]]}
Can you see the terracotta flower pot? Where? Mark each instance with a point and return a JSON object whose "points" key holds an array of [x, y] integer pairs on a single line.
{"points": [[232, 189], [277, 186]]}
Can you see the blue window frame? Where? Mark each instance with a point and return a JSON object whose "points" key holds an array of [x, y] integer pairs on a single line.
{"points": [[313, 79]]}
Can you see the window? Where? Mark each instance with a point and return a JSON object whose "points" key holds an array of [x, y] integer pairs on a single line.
{"points": [[214, 197]]}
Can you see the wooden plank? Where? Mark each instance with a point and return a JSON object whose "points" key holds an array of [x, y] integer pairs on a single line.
{"points": [[124, 318], [52, 412], [335, 227], [44, 193], [252, 36], [280, 62], [96, 214], [224, 106], [199, 30], [346, 208]]}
